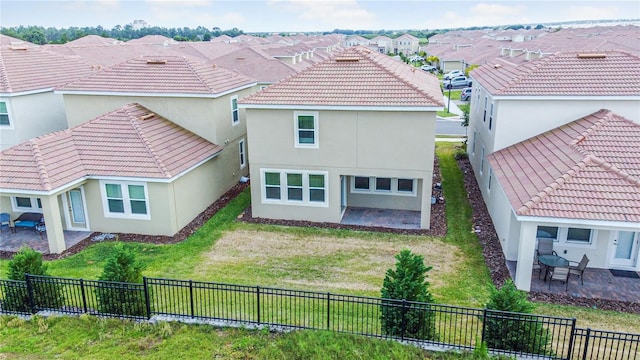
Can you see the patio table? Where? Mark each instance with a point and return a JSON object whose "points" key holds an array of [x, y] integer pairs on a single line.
{"points": [[552, 261]]}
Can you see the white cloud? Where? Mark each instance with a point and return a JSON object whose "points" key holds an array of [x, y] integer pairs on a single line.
{"points": [[592, 12], [91, 6], [192, 13]]}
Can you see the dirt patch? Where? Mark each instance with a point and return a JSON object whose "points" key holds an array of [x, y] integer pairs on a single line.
{"points": [[362, 257]]}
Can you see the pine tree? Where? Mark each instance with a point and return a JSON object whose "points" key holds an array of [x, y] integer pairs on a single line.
{"points": [[408, 282], [513, 331], [115, 297]]}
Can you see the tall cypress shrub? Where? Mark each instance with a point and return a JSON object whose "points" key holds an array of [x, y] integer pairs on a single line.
{"points": [[119, 295], [46, 294], [514, 332], [407, 282]]}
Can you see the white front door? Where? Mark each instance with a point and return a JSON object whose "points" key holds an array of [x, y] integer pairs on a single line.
{"points": [[76, 214], [343, 194], [625, 249]]}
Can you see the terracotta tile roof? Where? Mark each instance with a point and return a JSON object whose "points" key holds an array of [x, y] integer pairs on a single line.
{"points": [[588, 169], [129, 142], [27, 67], [161, 75], [571, 73], [354, 77]]}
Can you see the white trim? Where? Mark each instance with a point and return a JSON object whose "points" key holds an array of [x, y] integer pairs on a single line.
{"points": [[28, 92], [565, 98], [562, 240], [32, 199], [593, 224], [296, 130], [149, 94], [342, 107], [242, 151], [305, 187], [127, 214], [68, 216], [236, 111]]}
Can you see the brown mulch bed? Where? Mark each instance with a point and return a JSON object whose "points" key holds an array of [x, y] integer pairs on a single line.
{"points": [[495, 260]]}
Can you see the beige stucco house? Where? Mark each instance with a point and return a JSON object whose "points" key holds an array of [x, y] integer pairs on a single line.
{"points": [[528, 116], [28, 105], [356, 130], [406, 44], [129, 171]]}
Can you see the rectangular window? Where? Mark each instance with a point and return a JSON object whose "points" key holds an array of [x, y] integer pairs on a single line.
{"points": [[490, 177], [482, 161], [491, 117], [316, 188], [361, 183], [235, 117], [124, 199], [241, 149], [405, 185], [579, 235], [473, 143], [484, 117], [300, 187], [272, 185], [27, 204], [306, 130], [383, 184], [294, 187], [4, 114], [547, 232]]}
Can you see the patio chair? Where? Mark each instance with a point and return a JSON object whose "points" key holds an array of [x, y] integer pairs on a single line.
{"points": [[560, 274], [545, 247], [5, 221], [578, 269], [536, 265]]}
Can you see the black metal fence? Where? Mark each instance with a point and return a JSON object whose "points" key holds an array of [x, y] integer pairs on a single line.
{"points": [[429, 325]]}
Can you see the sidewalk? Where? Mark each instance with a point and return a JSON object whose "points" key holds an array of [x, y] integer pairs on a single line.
{"points": [[453, 107]]}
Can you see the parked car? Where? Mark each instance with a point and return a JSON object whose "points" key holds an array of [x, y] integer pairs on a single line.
{"points": [[452, 74], [465, 94], [429, 68], [457, 81]]}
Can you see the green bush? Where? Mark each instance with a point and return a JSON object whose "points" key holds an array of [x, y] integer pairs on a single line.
{"points": [[123, 299], [512, 331], [407, 282], [46, 294]]}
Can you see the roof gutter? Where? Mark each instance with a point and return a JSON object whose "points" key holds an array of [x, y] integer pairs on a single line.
{"points": [[341, 107]]}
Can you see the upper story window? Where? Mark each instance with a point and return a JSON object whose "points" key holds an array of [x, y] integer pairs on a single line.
{"points": [[491, 117], [4, 114], [235, 116], [306, 129], [125, 199], [484, 117], [26, 204]]}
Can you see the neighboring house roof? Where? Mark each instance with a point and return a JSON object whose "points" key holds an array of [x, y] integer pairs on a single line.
{"points": [[588, 169], [571, 73], [129, 142], [161, 75], [92, 40], [354, 77], [257, 64], [29, 68]]}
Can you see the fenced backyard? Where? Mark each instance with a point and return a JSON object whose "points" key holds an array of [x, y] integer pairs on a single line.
{"points": [[432, 326]]}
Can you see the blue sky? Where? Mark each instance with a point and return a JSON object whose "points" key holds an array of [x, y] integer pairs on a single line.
{"points": [[309, 15]]}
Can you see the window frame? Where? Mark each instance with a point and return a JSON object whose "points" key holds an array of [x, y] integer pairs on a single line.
{"points": [[126, 199], [242, 152], [491, 116], [235, 111], [8, 114], [394, 189], [296, 129], [32, 200], [563, 233], [284, 187]]}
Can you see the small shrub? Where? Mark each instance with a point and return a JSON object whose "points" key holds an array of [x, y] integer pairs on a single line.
{"points": [[514, 332], [122, 299], [408, 282], [45, 294]]}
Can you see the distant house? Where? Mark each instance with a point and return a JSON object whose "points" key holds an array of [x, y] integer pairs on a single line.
{"points": [[129, 170], [356, 130], [28, 105], [406, 44], [554, 148], [382, 44]]}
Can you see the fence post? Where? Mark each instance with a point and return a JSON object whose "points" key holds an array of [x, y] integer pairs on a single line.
{"points": [[84, 296], [146, 296], [404, 305], [191, 298], [328, 309], [258, 302], [572, 338], [484, 325], [32, 303], [585, 351]]}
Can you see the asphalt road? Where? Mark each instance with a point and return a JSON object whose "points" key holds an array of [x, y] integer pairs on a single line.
{"points": [[450, 127]]}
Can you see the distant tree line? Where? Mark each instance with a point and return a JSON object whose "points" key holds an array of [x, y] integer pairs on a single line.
{"points": [[41, 35]]}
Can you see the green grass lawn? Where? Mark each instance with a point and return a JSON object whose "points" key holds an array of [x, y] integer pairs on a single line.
{"points": [[338, 261]]}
